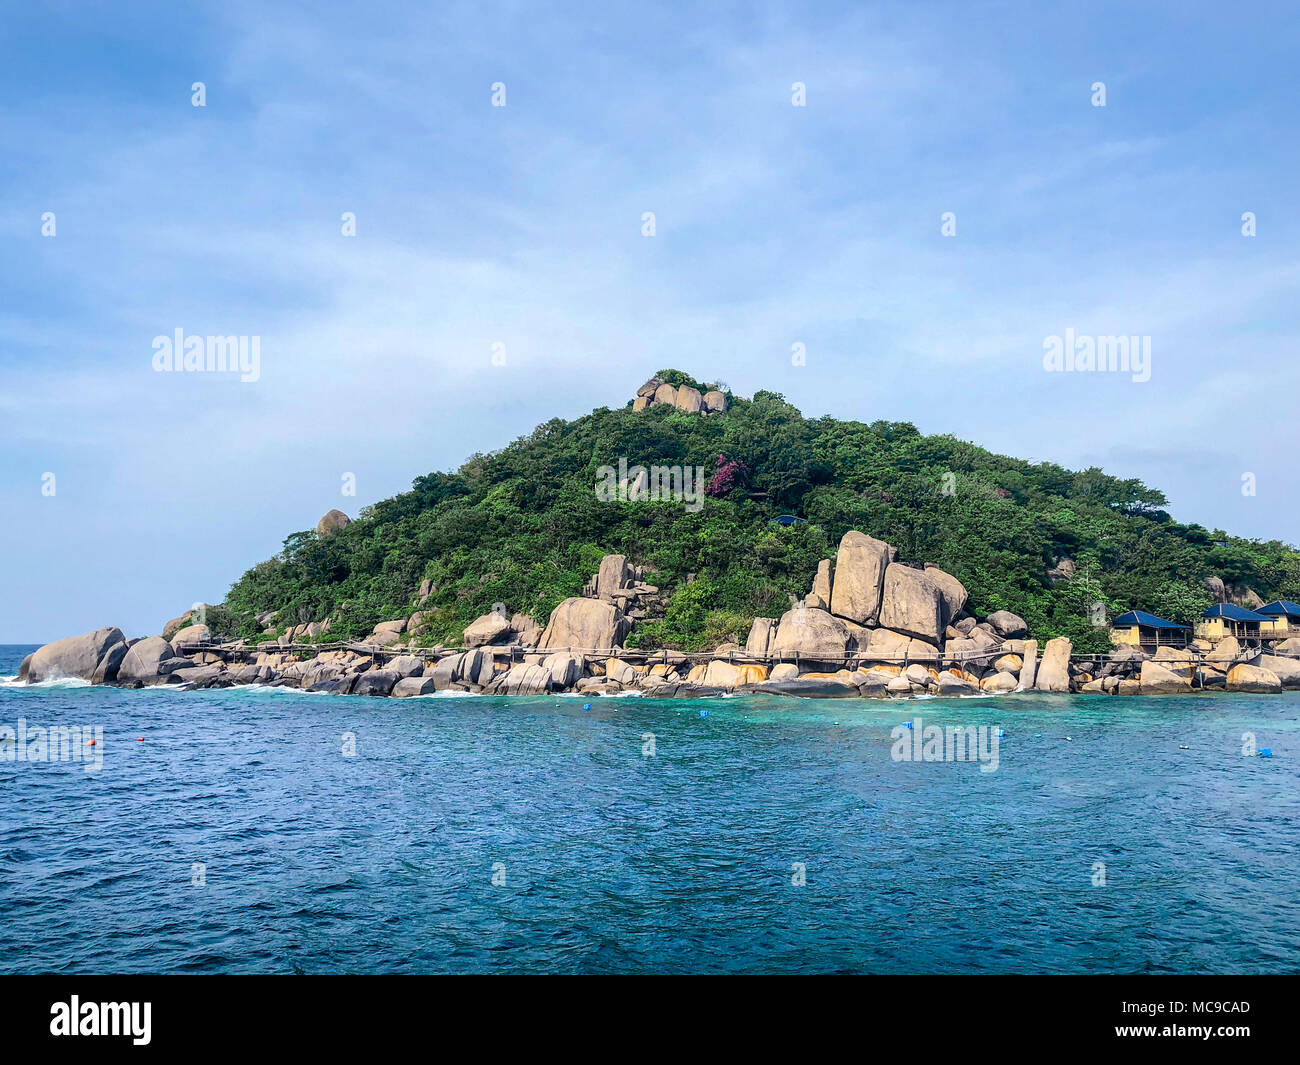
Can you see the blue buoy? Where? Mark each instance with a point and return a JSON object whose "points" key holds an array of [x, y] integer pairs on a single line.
{"points": [[586, 706], [704, 713], [907, 724], [1266, 752], [1000, 733]]}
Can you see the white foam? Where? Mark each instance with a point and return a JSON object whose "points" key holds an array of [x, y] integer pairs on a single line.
{"points": [[53, 682]]}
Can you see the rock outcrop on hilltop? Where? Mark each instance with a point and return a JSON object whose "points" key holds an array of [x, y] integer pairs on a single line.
{"points": [[332, 522], [684, 397]]}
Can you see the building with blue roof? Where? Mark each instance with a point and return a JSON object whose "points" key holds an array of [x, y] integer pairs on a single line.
{"points": [[1286, 617], [1228, 619], [1139, 629]]}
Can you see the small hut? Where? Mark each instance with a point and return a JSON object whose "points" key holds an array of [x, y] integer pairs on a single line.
{"points": [[1286, 618], [1228, 619], [1146, 631]]}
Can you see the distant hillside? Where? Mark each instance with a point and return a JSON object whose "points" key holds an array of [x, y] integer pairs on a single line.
{"points": [[524, 526]]}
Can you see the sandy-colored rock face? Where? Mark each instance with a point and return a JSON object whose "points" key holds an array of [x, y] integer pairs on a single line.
{"points": [[822, 583], [666, 394], [191, 634], [760, 636], [332, 522], [1029, 671], [912, 603], [176, 624], [1158, 679], [953, 591], [76, 656], [688, 399], [1287, 670], [1244, 678], [144, 661], [1054, 669], [715, 401], [728, 675], [999, 682], [486, 629], [1226, 651], [811, 633], [1007, 625], [613, 575], [860, 568], [583, 624]]}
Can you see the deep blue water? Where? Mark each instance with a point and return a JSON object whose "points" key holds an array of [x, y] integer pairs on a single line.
{"points": [[615, 862]]}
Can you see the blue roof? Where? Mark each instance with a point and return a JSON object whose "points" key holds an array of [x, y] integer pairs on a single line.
{"points": [[1141, 617], [1234, 613], [1281, 606]]}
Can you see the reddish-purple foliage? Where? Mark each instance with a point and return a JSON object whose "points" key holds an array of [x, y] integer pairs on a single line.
{"points": [[728, 474]]}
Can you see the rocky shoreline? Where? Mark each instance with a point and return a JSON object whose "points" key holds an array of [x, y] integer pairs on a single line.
{"points": [[871, 627]]}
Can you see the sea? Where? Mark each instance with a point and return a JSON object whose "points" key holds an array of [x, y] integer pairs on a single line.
{"points": [[264, 830]]}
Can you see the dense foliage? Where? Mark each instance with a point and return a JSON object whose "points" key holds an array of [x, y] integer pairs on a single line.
{"points": [[524, 527]]}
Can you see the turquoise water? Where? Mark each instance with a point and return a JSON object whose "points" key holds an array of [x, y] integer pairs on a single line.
{"points": [[618, 862]]}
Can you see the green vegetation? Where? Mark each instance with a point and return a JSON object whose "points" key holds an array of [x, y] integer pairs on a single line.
{"points": [[523, 527]]}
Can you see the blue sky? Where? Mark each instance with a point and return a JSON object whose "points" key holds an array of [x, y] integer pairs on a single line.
{"points": [[521, 225]]}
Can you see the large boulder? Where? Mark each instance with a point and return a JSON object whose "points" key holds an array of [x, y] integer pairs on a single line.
{"points": [[860, 566], [110, 663], [376, 682], [823, 687], [332, 522], [146, 661], [1158, 679], [815, 634], [1287, 670], [1007, 625], [953, 591], [565, 668], [688, 399], [584, 625], [1226, 652], [1244, 678], [1029, 671], [1054, 669], [76, 656], [190, 634], [715, 401], [176, 624], [759, 640], [821, 588], [665, 394], [487, 629], [522, 680], [613, 575], [951, 684], [912, 603], [407, 666], [411, 686], [999, 683]]}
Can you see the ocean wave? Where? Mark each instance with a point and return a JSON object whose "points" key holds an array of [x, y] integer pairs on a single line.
{"points": [[53, 682]]}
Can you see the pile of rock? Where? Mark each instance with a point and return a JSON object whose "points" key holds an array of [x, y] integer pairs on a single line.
{"points": [[622, 584], [872, 622], [871, 626], [683, 397]]}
